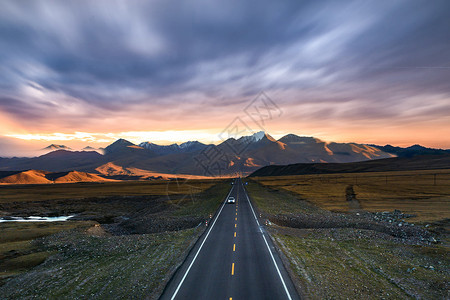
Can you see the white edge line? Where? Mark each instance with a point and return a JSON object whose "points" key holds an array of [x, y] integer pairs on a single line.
{"points": [[268, 248], [198, 251]]}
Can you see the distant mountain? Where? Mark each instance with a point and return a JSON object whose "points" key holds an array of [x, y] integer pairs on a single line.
{"points": [[89, 148], [126, 154], [420, 162], [59, 160], [249, 153], [187, 147], [119, 146], [54, 147], [233, 156], [411, 151]]}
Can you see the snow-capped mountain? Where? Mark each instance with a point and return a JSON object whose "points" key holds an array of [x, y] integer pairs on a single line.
{"points": [[254, 137], [186, 147]]}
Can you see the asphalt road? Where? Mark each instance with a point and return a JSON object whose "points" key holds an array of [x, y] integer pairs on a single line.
{"points": [[234, 259]]}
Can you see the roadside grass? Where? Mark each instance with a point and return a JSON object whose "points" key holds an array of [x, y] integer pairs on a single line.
{"points": [[24, 262], [203, 204], [22, 252], [17, 252], [272, 201], [412, 192], [362, 268], [114, 267], [349, 263], [13, 232]]}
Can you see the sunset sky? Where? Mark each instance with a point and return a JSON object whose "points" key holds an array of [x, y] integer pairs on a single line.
{"points": [[88, 72]]}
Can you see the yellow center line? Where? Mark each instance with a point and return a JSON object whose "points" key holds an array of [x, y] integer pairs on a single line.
{"points": [[235, 234], [235, 219], [232, 269], [235, 225], [234, 247]]}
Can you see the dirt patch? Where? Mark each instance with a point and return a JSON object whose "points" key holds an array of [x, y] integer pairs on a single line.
{"points": [[96, 230]]}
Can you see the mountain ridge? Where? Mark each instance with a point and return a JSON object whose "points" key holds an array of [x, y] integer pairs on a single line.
{"points": [[54, 147], [419, 162], [243, 155]]}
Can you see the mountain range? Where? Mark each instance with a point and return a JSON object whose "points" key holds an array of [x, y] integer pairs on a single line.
{"points": [[411, 151], [243, 155], [418, 162]]}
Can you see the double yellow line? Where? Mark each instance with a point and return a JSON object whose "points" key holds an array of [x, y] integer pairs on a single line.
{"points": [[234, 244]]}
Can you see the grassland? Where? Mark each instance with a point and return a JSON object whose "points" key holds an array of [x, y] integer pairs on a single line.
{"points": [[18, 253], [125, 241], [425, 194], [115, 267], [25, 193], [342, 264], [334, 251]]}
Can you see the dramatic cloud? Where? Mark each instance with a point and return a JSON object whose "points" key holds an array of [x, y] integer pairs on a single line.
{"points": [[121, 66]]}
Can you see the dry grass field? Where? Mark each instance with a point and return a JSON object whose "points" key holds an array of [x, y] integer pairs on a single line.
{"points": [[131, 231], [349, 253], [19, 193], [425, 194]]}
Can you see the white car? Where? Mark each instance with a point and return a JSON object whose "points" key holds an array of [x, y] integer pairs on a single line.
{"points": [[231, 200]]}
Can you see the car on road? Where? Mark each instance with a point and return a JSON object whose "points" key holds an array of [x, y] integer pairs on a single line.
{"points": [[231, 200]]}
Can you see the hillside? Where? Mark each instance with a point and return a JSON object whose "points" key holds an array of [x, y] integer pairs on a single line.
{"points": [[44, 177], [424, 162], [113, 171], [26, 177]]}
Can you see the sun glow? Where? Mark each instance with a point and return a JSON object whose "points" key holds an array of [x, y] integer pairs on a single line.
{"points": [[162, 137]]}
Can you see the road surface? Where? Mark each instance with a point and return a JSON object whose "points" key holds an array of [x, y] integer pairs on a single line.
{"points": [[234, 259]]}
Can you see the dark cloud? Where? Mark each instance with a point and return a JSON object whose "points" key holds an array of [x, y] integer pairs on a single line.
{"points": [[113, 54]]}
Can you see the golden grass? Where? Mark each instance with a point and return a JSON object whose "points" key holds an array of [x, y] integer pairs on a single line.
{"points": [[423, 193], [84, 190]]}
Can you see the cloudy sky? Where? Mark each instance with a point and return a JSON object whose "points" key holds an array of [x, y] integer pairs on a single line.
{"points": [[87, 72]]}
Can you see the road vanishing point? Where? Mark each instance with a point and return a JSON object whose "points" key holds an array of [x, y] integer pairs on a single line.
{"points": [[234, 259]]}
